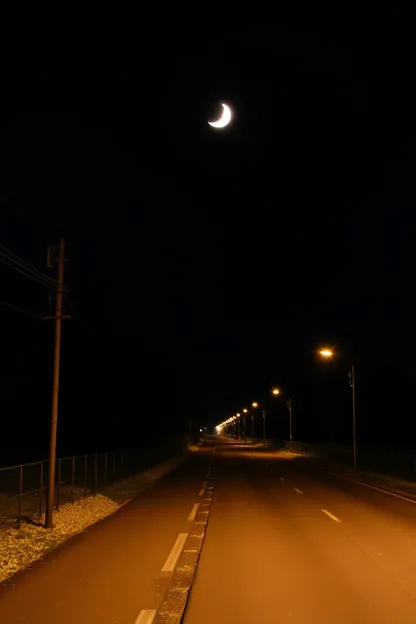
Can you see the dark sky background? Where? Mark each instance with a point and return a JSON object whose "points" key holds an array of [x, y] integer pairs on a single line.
{"points": [[207, 266]]}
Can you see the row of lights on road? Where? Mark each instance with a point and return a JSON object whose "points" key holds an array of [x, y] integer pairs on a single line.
{"points": [[235, 421]]}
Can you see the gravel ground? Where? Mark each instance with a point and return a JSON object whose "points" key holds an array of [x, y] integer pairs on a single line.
{"points": [[21, 547]]}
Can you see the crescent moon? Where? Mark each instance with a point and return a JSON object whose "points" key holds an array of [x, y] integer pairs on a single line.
{"points": [[225, 118]]}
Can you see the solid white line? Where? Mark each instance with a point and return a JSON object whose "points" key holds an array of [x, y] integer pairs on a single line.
{"points": [[298, 491], [126, 502], [374, 487], [328, 513], [172, 560], [146, 616], [193, 513]]}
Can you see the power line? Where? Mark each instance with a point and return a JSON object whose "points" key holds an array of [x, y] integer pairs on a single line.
{"points": [[12, 260], [29, 274], [25, 264], [13, 307]]}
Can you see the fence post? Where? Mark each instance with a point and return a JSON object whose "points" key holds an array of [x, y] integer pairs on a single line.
{"points": [[41, 489], [73, 477], [85, 474], [105, 468], [114, 468], [95, 474], [19, 502], [57, 484]]}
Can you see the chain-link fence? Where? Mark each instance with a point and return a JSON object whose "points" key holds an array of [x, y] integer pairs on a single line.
{"points": [[23, 487]]}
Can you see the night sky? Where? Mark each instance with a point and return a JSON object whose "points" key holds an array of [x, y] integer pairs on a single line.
{"points": [[206, 266]]}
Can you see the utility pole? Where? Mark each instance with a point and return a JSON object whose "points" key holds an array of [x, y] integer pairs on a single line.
{"points": [[60, 260]]}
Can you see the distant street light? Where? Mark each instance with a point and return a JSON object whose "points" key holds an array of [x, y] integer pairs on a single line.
{"points": [[245, 412], [277, 392], [253, 405], [329, 353]]}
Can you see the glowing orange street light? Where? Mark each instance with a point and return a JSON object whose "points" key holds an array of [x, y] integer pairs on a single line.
{"points": [[254, 404], [275, 391], [245, 411], [329, 353], [326, 353]]}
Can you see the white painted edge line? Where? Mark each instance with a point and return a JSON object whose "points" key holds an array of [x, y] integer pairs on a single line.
{"points": [[146, 616], [298, 491], [193, 512], [172, 560], [202, 490], [330, 515], [125, 502], [373, 487]]}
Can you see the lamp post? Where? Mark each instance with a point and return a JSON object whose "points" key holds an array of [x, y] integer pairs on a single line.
{"points": [[253, 405], [245, 412], [329, 353], [289, 407]]}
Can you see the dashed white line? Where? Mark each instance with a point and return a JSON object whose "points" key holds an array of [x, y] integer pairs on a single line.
{"points": [[172, 560], [202, 490], [330, 515], [193, 513], [146, 616], [298, 491]]}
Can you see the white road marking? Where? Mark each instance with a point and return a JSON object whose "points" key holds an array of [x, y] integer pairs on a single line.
{"points": [[281, 479], [172, 560], [189, 550], [328, 513], [298, 491], [208, 499], [202, 522], [146, 616], [202, 490], [193, 513], [126, 502], [374, 487]]}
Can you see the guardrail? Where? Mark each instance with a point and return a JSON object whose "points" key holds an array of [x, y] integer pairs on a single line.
{"points": [[393, 461], [23, 487]]}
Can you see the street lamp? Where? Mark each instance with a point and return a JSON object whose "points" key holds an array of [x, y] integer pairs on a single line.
{"points": [[245, 412], [253, 405], [277, 392], [328, 354]]}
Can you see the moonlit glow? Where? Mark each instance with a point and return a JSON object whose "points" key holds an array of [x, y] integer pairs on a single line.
{"points": [[225, 118]]}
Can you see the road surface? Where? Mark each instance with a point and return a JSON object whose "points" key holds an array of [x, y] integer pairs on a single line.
{"points": [[285, 543]]}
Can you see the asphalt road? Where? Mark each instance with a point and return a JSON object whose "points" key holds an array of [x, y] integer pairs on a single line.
{"points": [[286, 543]]}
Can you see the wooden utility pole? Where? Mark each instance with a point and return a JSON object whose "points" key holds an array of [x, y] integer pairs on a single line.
{"points": [[60, 260]]}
